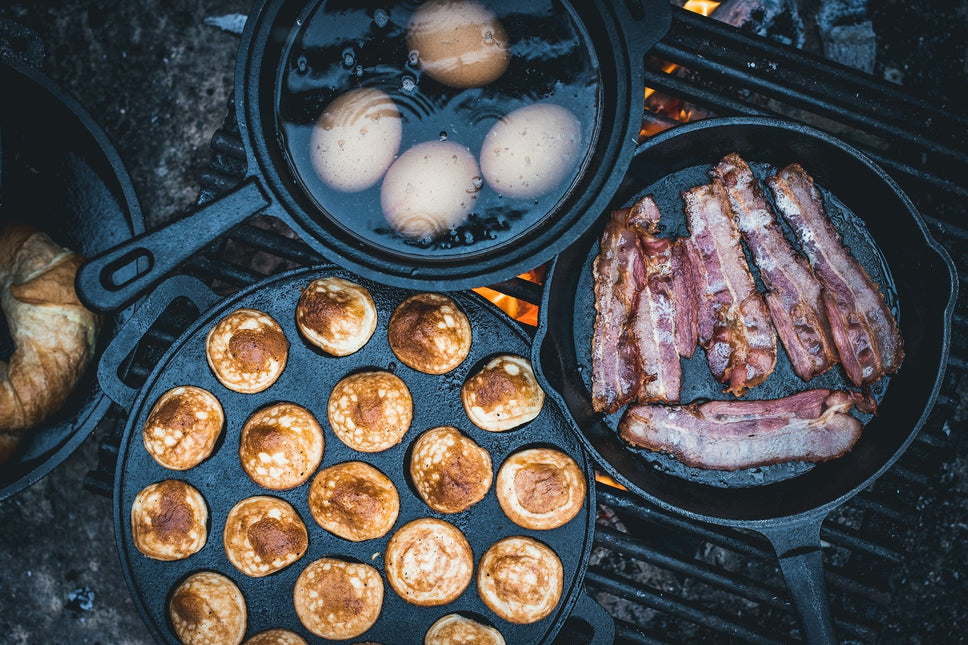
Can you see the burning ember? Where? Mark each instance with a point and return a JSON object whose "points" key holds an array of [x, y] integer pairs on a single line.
{"points": [[517, 309]]}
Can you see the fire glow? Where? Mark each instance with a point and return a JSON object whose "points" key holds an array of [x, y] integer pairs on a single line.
{"points": [[519, 310]]}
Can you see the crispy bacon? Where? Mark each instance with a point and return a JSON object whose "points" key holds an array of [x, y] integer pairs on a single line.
{"points": [[734, 326], [815, 425], [656, 318], [863, 329], [619, 272], [793, 295]]}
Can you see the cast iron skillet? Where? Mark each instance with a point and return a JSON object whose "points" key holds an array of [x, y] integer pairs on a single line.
{"points": [[307, 380], [62, 175], [788, 503], [620, 34]]}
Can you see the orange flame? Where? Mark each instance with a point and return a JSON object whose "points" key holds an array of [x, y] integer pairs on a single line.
{"points": [[519, 310], [608, 481]]}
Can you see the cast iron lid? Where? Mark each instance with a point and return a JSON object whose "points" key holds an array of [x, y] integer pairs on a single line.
{"points": [[307, 380], [62, 175]]}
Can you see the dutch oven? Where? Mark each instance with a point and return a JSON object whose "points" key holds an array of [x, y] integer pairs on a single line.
{"points": [[62, 175], [307, 379], [614, 37], [785, 502]]}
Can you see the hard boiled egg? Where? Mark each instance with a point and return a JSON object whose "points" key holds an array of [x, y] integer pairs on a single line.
{"points": [[356, 139], [458, 43], [529, 151], [431, 188]]}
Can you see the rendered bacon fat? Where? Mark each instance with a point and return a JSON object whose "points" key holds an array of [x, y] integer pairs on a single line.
{"points": [[815, 425], [619, 272], [793, 295], [734, 326], [863, 328]]}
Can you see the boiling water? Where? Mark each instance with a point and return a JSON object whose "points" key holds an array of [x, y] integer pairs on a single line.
{"points": [[336, 49]]}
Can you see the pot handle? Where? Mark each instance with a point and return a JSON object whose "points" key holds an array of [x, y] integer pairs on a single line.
{"points": [[797, 545], [594, 615], [135, 328], [644, 23], [162, 250]]}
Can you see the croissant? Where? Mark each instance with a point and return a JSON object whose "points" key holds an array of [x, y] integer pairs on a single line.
{"points": [[54, 335]]}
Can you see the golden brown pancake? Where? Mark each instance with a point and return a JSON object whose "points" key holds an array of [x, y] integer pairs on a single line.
{"points": [[247, 350], [336, 315], [429, 333], [168, 520], [263, 535], [449, 470], [275, 637], [540, 488], [281, 446], [370, 411], [503, 394], [429, 562], [454, 629], [336, 599], [207, 608], [520, 579], [183, 426], [354, 500]]}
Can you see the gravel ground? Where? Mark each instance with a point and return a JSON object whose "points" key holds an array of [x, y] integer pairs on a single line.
{"points": [[157, 79]]}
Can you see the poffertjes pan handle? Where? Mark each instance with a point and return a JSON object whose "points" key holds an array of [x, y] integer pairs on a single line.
{"points": [[135, 328], [594, 615], [797, 545], [162, 250]]}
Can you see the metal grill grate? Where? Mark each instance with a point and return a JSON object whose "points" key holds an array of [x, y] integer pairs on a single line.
{"points": [[664, 578]]}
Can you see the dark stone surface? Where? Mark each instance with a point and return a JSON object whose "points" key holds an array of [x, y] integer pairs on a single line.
{"points": [[157, 79]]}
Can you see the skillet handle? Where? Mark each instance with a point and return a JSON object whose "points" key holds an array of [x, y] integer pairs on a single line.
{"points": [[98, 281], [600, 622], [135, 328], [797, 545]]}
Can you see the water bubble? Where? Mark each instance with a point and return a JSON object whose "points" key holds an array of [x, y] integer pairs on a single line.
{"points": [[413, 57], [349, 57], [358, 71], [478, 183], [488, 37], [381, 18], [443, 135], [302, 64], [409, 84]]}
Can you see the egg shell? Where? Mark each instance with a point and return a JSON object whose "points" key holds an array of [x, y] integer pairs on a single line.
{"points": [[355, 139], [431, 188], [527, 152], [460, 44]]}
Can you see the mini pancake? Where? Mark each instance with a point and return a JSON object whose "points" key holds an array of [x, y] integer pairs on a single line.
{"points": [[281, 446], [354, 500], [520, 579], [449, 470], [370, 411], [504, 394], [336, 315], [168, 520], [429, 562], [540, 488], [429, 333], [336, 599], [247, 350], [275, 637], [454, 629], [263, 535], [207, 608], [183, 426]]}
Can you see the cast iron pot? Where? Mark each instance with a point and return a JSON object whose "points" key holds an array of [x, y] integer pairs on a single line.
{"points": [[786, 503], [307, 379], [62, 175], [620, 34]]}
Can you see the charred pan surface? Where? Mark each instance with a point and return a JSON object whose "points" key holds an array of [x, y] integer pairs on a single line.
{"points": [[793, 296], [815, 425], [862, 326], [734, 326]]}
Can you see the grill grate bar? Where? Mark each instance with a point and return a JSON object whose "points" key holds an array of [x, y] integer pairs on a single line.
{"points": [[279, 245], [626, 632]]}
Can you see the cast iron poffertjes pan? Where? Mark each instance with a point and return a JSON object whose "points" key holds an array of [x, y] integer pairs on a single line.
{"points": [[616, 38], [307, 380], [786, 503]]}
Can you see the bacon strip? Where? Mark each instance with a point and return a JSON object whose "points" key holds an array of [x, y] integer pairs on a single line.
{"points": [[619, 272], [793, 295], [656, 317], [685, 291], [863, 328], [734, 326], [815, 425]]}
